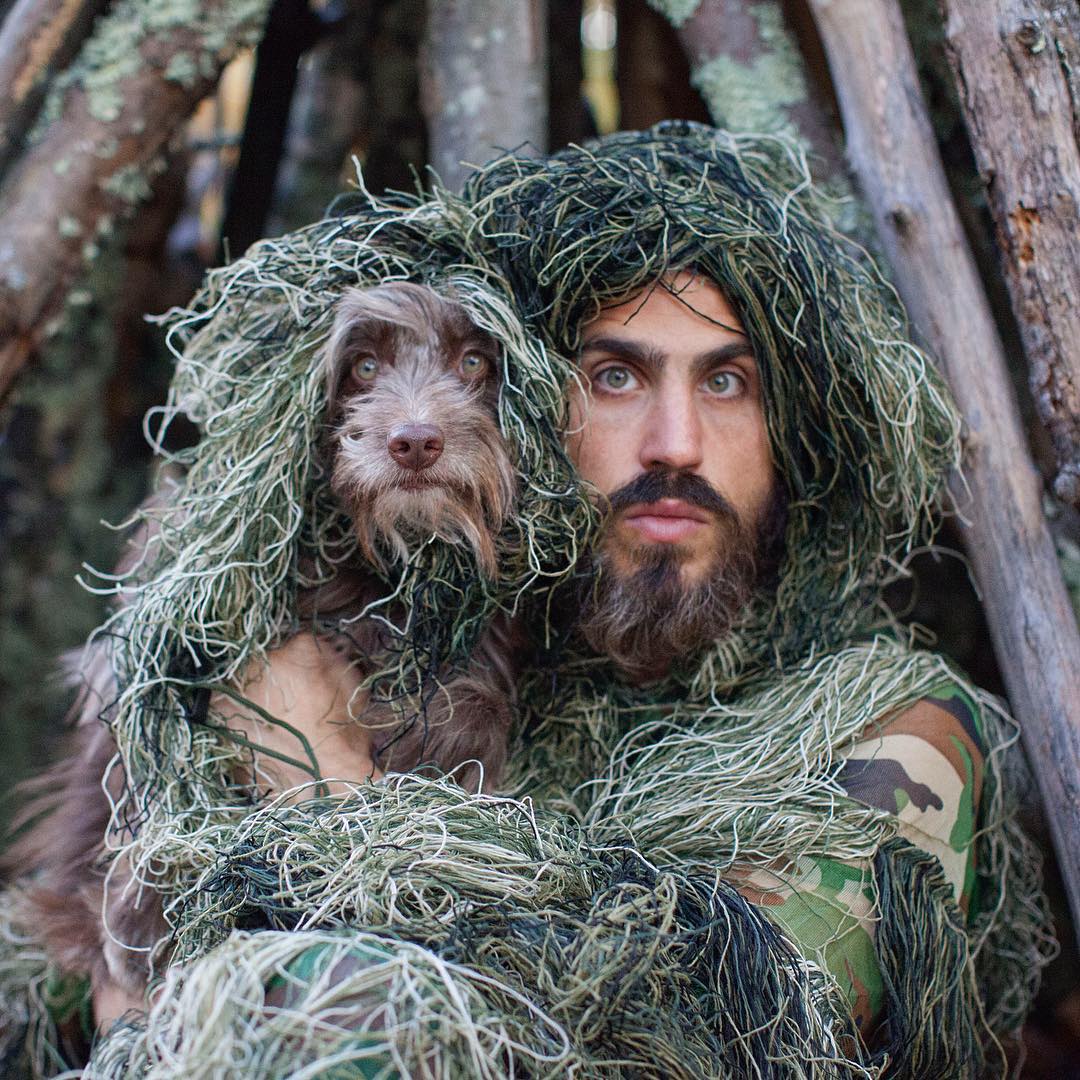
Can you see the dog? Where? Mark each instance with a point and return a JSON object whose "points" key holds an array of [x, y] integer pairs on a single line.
{"points": [[413, 450]]}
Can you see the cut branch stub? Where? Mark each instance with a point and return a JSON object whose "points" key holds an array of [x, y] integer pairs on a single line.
{"points": [[106, 127], [1019, 95]]}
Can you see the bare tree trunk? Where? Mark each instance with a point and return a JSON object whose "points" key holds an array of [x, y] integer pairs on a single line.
{"points": [[328, 107], [292, 28], [37, 38], [895, 158], [392, 138], [1011, 59], [136, 81], [483, 82], [747, 66], [567, 118]]}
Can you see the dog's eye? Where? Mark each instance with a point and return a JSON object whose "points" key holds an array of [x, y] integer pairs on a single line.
{"points": [[365, 368], [473, 365]]}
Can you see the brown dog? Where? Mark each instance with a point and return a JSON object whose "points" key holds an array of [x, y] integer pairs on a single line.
{"points": [[414, 451]]}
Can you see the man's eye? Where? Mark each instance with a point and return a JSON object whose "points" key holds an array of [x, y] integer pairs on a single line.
{"points": [[365, 368], [615, 378], [473, 365], [725, 384]]}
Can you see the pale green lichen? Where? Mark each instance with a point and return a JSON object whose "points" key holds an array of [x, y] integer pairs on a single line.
{"points": [[675, 11], [182, 68], [115, 51], [68, 227], [128, 183], [756, 96]]}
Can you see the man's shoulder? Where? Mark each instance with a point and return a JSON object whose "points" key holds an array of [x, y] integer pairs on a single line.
{"points": [[924, 764]]}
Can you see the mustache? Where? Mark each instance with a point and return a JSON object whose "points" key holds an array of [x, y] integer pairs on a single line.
{"points": [[652, 486]]}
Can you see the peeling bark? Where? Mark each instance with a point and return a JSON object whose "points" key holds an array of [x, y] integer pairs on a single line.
{"points": [[483, 82], [1016, 67], [105, 130], [892, 149], [36, 39]]}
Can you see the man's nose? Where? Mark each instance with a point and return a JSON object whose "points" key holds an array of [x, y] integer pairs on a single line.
{"points": [[673, 436]]}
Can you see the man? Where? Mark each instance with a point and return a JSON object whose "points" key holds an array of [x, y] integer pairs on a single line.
{"points": [[764, 836]]}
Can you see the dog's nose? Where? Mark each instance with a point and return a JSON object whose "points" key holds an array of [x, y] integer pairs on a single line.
{"points": [[415, 446]]}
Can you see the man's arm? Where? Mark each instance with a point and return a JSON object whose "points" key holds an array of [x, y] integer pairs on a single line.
{"points": [[924, 766], [314, 689]]}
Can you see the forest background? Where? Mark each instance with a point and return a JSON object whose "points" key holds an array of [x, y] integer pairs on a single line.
{"points": [[273, 110]]}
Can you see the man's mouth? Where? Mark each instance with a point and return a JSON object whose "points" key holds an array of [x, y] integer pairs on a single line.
{"points": [[666, 521]]}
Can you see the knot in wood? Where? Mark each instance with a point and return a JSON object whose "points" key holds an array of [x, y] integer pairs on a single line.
{"points": [[1030, 35], [902, 218], [1067, 484]]}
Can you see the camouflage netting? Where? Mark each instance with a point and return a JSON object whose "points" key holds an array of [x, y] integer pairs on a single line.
{"points": [[579, 925]]}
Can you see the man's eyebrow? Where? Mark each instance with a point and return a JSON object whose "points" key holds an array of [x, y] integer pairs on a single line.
{"points": [[733, 350], [647, 356], [653, 359]]}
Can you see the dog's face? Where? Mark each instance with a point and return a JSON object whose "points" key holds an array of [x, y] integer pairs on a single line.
{"points": [[413, 386]]}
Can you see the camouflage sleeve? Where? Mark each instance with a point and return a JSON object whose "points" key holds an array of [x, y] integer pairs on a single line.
{"points": [[924, 766]]}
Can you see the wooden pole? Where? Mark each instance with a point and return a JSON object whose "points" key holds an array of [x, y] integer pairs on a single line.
{"points": [[483, 82], [892, 149], [1010, 58], [292, 27]]}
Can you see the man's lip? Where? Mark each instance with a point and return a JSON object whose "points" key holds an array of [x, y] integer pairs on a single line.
{"points": [[667, 508]]}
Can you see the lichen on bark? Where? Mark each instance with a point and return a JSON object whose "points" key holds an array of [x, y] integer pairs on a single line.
{"points": [[132, 35], [755, 95], [675, 11]]}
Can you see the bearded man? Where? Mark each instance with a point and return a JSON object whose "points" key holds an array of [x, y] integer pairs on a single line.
{"points": [[749, 831]]}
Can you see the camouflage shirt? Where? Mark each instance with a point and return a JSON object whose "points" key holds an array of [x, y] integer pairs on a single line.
{"points": [[924, 765]]}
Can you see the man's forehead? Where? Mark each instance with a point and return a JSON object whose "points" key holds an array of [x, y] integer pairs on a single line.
{"points": [[667, 312]]}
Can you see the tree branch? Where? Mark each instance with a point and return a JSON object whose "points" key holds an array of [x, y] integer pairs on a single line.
{"points": [[38, 37], [109, 121]]}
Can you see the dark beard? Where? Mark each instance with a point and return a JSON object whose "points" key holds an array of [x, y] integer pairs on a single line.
{"points": [[647, 620]]}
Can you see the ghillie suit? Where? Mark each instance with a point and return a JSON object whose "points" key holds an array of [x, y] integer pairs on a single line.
{"points": [[588, 924]]}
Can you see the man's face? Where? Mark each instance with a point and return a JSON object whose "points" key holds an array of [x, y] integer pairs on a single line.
{"points": [[673, 434]]}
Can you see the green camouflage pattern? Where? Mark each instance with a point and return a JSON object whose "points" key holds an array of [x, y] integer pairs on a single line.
{"points": [[923, 765]]}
